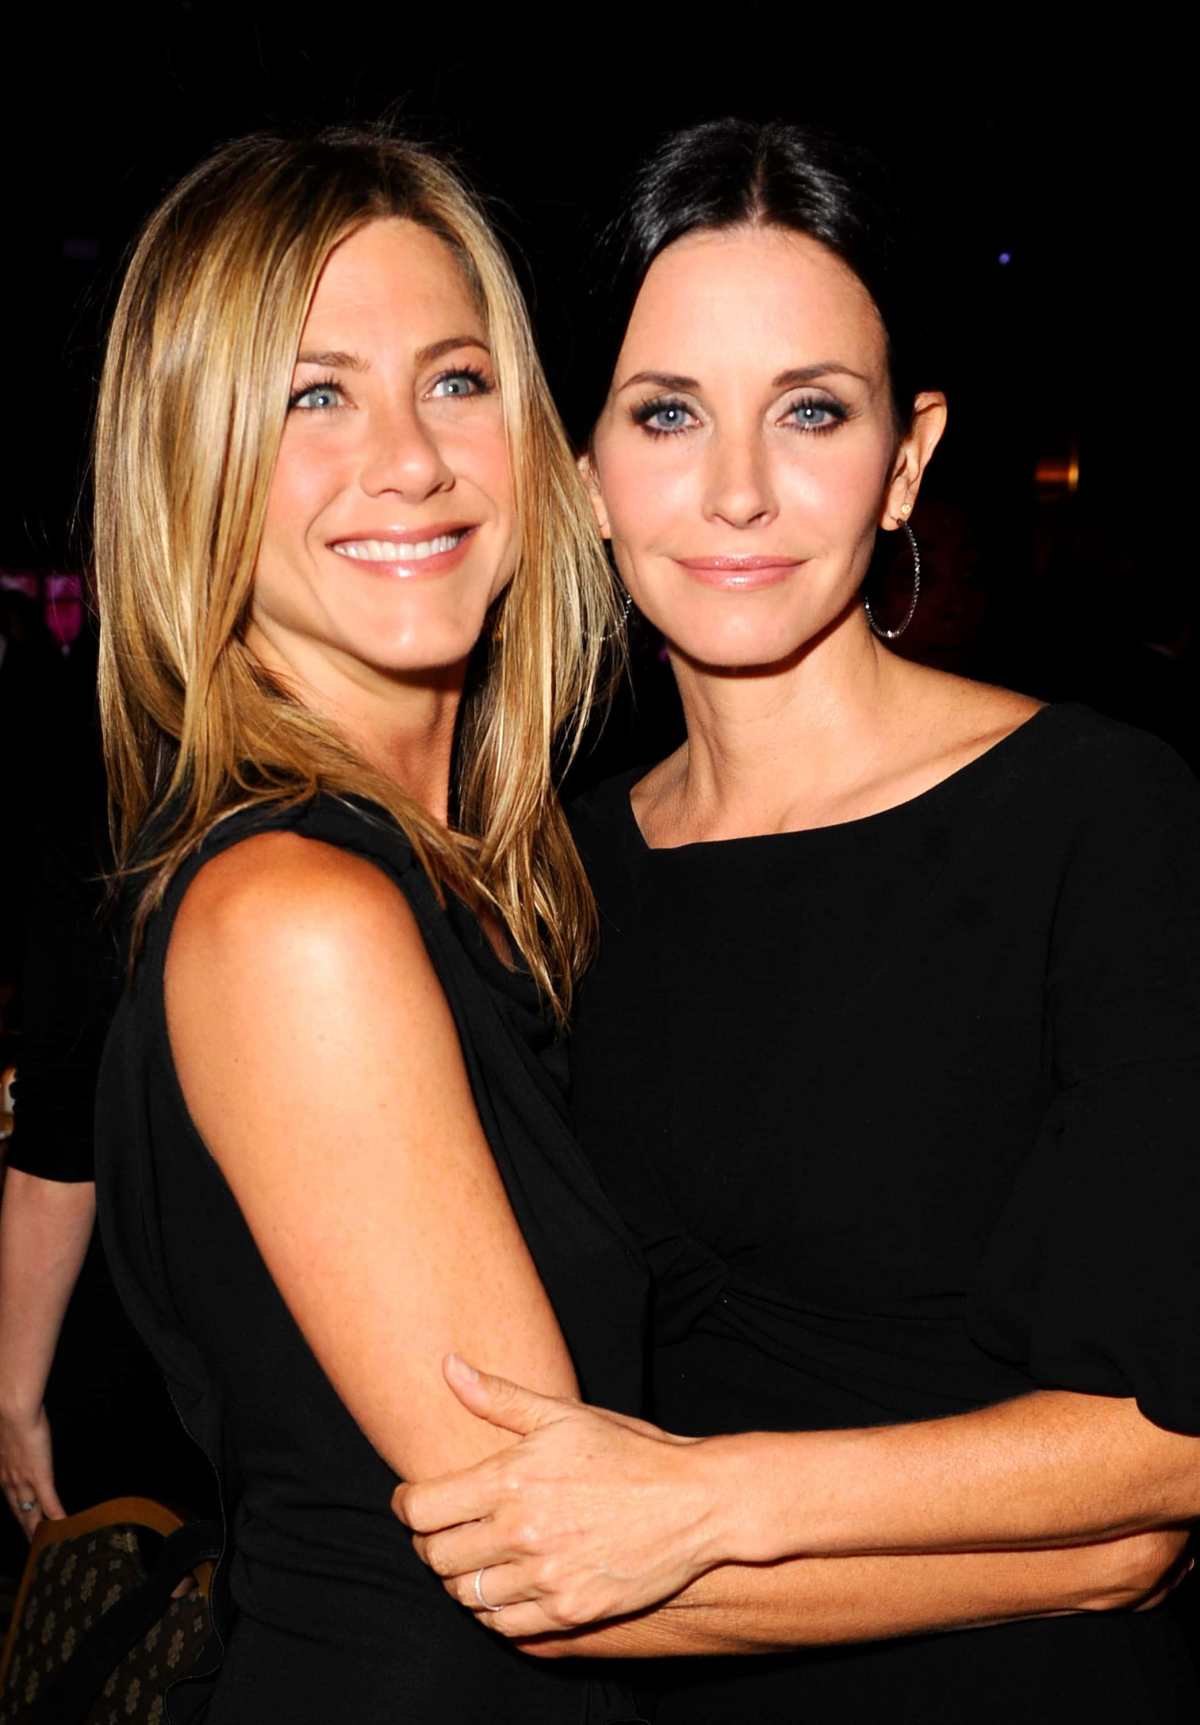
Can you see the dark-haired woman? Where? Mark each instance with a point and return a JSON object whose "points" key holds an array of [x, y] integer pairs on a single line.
{"points": [[891, 1053]]}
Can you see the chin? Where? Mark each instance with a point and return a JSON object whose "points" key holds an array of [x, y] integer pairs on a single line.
{"points": [[738, 645], [754, 634], [434, 651], [419, 637]]}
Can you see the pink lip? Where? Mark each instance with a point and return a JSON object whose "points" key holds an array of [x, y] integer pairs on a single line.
{"points": [[404, 535], [738, 573]]}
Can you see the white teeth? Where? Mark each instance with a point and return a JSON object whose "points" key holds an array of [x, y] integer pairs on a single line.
{"points": [[385, 551]]}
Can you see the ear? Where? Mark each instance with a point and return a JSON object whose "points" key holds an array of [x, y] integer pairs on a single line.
{"points": [[912, 457], [587, 469]]}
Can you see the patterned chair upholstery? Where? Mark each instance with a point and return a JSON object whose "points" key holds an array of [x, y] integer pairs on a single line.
{"points": [[66, 1660]]}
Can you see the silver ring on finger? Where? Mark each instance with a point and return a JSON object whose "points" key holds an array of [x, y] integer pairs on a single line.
{"points": [[25, 1504], [484, 1604]]}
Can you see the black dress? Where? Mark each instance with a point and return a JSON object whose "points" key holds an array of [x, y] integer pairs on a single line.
{"points": [[905, 1112], [324, 1610]]}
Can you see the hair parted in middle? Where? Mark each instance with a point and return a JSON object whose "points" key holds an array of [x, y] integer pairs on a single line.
{"points": [[735, 173], [192, 406]]}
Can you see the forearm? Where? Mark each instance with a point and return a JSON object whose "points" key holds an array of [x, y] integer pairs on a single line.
{"points": [[1049, 1468], [810, 1602], [45, 1226]]}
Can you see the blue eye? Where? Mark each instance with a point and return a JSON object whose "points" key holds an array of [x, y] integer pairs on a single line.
{"points": [[316, 396], [465, 381], [811, 415], [663, 418]]}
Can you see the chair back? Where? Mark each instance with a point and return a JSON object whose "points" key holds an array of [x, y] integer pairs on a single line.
{"points": [[97, 1634]]}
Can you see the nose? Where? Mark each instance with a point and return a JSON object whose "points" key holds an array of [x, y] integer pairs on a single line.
{"points": [[402, 454], [739, 490]]}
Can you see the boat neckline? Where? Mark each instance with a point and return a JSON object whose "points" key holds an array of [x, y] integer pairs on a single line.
{"points": [[943, 789]]}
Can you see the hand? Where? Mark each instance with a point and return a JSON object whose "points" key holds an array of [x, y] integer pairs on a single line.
{"points": [[27, 1469], [1154, 1565], [591, 1516]]}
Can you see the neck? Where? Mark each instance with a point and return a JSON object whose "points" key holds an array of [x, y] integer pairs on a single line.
{"points": [[400, 723], [770, 747]]}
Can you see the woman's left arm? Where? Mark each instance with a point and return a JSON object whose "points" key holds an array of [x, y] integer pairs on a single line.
{"points": [[595, 1515]]}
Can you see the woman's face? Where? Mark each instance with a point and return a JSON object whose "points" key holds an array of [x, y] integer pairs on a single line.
{"points": [[390, 525], [748, 450]]}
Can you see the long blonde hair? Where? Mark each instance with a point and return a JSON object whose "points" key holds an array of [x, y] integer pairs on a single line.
{"points": [[192, 404]]}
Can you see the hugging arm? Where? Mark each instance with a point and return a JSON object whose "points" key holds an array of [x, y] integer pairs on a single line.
{"points": [[767, 1540], [321, 1065], [1088, 1286]]}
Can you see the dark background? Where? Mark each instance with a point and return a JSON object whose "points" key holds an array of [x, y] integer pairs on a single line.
{"points": [[1067, 159]]}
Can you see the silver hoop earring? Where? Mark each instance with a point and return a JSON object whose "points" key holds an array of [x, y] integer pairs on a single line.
{"points": [[894, 634], [627, 606]]}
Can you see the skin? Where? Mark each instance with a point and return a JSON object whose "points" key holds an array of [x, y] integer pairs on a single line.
{"points": [[45, 1226], [398, 439], [375, 1202], [797, 717]]}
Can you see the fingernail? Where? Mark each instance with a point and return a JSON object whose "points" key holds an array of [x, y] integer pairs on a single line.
{"points": [[460, 1365]]}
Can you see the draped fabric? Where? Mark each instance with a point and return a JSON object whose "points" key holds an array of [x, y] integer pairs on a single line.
{"points": [[904, 1113]]}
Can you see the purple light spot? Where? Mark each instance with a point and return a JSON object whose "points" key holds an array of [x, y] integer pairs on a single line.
{"points": [[1004, 258]]}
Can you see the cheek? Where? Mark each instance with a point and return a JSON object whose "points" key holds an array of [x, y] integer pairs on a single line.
{"points": [[646, 493], [836, 492], [302, 484]]}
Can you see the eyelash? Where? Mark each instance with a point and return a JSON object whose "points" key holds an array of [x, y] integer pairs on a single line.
{"points": [[647, 410], [482, 386], [297, 395]]}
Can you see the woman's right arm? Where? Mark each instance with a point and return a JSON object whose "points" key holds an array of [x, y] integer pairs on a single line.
{"points": [[321, 1065], [812, 1602], [45, 1226]]}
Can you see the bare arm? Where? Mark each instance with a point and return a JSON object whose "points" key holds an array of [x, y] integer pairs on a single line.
{"points": [[596, 1516], [1044, 1468], [45, 1226], [810, 1602], [320, 1062]]}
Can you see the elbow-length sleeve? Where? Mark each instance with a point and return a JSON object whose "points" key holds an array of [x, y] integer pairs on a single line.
{"points": [[1091, 1280]]}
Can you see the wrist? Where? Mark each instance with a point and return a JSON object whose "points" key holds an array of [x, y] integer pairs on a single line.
{"points": [[741, 1521], [19, 1410]]}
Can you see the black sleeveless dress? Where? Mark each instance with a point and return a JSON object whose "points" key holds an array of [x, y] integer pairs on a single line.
{"points": [[905, 1113], [324, 1611]]}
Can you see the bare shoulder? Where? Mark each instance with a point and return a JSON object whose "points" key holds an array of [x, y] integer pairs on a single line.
{"points": [[283, 906]]}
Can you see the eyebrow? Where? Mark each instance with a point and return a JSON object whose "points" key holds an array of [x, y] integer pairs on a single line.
{"points": [[785, 379], [335, 359]]}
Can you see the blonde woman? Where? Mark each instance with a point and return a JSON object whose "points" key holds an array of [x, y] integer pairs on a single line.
{"points": [[339, 538]]}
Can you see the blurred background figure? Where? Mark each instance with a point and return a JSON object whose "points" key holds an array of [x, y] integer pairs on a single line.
{"points": [[83, 1415]]}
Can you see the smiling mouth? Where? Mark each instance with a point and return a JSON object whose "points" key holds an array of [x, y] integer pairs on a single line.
{"points": [[392, 551]]}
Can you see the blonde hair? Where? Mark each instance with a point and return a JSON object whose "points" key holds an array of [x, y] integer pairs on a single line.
{"points": [[192, 405]]}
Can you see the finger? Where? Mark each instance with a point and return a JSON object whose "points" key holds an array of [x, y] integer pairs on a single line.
{"points": [[439, 1503], [498, 1400], [463, 1550], [19, 1495], [1166, 1587], [28, 1519], [519, 1622], [47, 1497], [502, 1585]]}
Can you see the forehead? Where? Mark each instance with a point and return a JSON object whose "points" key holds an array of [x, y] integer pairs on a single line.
{"points": [[390, 275], [752, 295]]}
